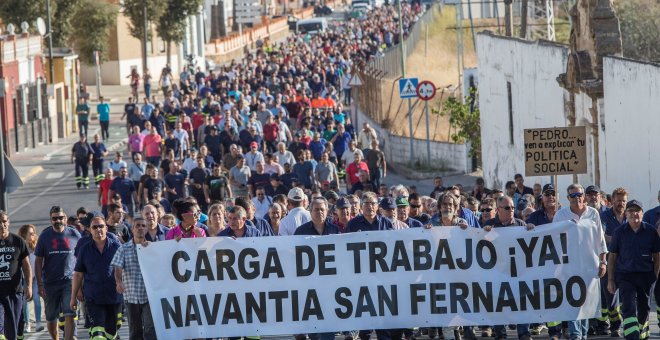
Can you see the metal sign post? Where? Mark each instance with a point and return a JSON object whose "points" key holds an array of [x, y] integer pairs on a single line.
{"points": [[408, 89], [426, 91]]}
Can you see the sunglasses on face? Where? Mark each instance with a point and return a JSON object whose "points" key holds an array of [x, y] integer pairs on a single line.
{"points": [[486, 209], [549, 193], [97, 226], [575, 194], [195, 214], [415, 206], [507, 208], [57, 218]]}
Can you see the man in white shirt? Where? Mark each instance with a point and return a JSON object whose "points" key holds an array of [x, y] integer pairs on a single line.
{"points": [[578, 211], [284, 156], [366, 136], [298, 214], [349, 155], [261, 202], [182, 136], [253, 156]]}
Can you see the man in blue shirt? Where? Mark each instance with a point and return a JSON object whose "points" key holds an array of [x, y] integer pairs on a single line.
{"points": [[155, 230], [125, 187], [236, 217], [54, 266], [175, 183], [633, 266], [369, 220], [102, 302], [103, 110], [652, 216]]}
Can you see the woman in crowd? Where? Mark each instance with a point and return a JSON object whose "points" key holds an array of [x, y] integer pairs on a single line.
{"points": [[216, 222], [28, 232]]}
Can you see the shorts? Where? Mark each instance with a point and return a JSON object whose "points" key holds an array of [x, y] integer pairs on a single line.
{"points": [[58, 298]]}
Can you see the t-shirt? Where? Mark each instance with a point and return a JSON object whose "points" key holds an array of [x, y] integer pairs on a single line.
{"points": [[150, 184], [83, 112], [104, 112], [176, 182], [135, 142], [152, 145], [198, 176], [57, 250], [13, 250], [104, 188], [125, 187], [217, 187], [258, 180]]}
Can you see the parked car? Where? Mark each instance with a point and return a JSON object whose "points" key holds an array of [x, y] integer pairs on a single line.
{"points": [[323, 10]]}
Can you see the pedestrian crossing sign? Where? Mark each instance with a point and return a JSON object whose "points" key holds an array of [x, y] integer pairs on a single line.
{"points": [[408, 87]]}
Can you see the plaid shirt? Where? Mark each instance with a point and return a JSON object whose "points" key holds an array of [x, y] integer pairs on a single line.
{"points": [[126, 258]]}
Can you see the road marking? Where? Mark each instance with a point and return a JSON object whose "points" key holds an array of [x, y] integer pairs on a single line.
{"points": [[50, 155], [33, 172], [28, 202], [53, 175]]}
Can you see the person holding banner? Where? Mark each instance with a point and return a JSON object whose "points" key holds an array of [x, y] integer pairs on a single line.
{"points": [[577, 211], [633, 266], [102, 302], [187, 213]]}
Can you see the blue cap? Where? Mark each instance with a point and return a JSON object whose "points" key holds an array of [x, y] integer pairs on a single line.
{"points": [[634, 203], [342, 203], [387, 203]]}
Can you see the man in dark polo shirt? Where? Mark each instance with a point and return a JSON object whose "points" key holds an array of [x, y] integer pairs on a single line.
{"points": [[594, 198], [652, 216], [236, 217], [369, 220], [505, 215], [102, 302], [633, 266], [319, 225]]}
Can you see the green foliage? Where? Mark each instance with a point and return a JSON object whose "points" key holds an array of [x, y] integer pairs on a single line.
{"points": [[93, 19], [17, 11], [62, 15], [171, 26], [640, 23], [133, 10], [465, 120], [62, 11]]}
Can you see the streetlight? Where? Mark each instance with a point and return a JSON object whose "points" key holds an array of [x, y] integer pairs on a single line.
{"points": [[50, 44]]}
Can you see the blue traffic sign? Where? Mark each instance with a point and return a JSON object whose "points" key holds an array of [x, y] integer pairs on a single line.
{"points": [[408, 87]]}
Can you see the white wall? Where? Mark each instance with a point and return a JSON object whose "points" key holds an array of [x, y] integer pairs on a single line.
{"points": [[452, 156], [537, 100], [115, 72], [632, 122]]}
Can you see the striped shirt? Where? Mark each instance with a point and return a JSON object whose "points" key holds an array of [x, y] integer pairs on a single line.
{"points": [[126, 258]]}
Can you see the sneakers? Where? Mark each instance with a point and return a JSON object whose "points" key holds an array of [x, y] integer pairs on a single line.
{"points": [[38, 327], [616, 333], [536, 330], [487, 332]]}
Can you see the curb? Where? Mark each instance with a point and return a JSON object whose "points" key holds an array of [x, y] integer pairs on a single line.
{"points": [[33, 172]]}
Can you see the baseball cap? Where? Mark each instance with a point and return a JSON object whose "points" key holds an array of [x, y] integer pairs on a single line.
{"points": [[254, 144], [592, 188], [548, 187], [331, 195], [633, 203], [296, 194], [342, 203], [402, 201], [387, 203], [275, 176]]}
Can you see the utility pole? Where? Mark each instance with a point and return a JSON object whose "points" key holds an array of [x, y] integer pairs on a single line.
{"points": [[523, 18], [403, 75], [145, 64], [51, 73], [508, 18], [3, 183]]}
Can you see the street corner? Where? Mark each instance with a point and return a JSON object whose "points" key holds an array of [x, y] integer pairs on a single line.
{"points": [[29, 172]]}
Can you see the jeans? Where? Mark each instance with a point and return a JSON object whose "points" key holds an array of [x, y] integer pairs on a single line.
{"points": [[147, 90], [83, 127], [140, 323], [37, 304], [105, 125], [577, 330]]}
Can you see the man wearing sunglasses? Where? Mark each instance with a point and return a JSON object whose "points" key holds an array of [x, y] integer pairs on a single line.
{"points": [[578, 211], [54, 266], [102, 301]]}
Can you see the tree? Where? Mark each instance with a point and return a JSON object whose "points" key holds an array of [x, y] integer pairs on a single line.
{"points": [[134, 11], [466, 121], [93, 19], [172, 24], [640, 23], [17, 11]]}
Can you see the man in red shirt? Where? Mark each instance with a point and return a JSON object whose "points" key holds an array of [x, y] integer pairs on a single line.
{"points": [[271, 132], [152, 147], [354, 168], [104, 188]]}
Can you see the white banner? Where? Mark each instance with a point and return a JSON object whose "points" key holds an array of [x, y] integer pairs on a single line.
{"points": [[218, 287]]}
